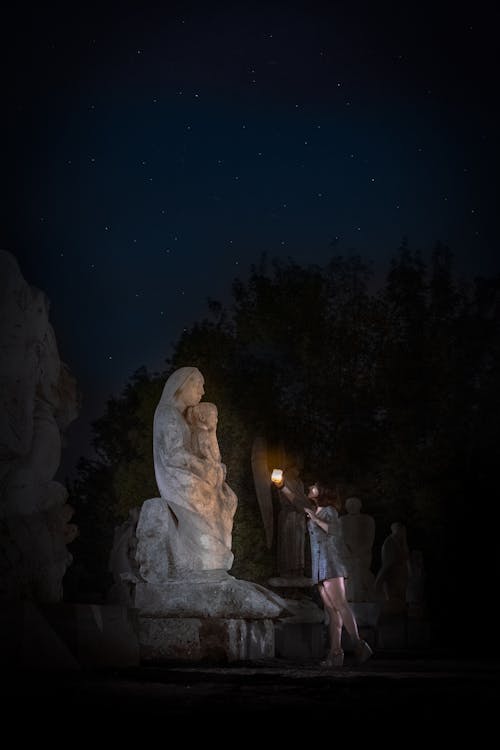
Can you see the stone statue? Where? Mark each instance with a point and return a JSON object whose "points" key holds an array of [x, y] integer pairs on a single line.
{"points": [[392, 578], [189, 606], [39, 401], [189, 528], [122, 563], [358, 530], [261, 472], [291, 523]]}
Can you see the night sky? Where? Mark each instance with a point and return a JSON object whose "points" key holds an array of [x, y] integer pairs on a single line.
{"points": [[152, 154]]}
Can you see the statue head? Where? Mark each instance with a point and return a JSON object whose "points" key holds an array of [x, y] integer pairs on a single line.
{"points": [[398, 529], [184, 388], [353, 505], [203, 415]]}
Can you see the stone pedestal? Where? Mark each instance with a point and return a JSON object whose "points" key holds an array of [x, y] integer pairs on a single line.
{"points": [[214, 639], [212, 616]]}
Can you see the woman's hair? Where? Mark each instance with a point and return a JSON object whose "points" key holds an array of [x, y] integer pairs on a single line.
{"points": [[327, 496]]}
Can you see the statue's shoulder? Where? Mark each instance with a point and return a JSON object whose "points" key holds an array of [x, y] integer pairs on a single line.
{"points": [[167, 413]]}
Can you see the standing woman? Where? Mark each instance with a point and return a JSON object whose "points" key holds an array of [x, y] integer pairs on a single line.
{"points": [[329, 572]]}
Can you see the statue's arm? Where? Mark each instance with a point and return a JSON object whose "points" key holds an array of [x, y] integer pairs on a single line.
{"points": [[297, 497]]}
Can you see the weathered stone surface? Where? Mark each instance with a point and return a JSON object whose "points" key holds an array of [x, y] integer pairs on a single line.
{"points": [[189, 527], [213, 639], [38, 400], [190, 607], [303, 611], [226, 598]]}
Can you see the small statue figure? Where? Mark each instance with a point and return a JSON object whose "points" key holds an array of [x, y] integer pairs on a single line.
{"points": [[392, 578], [358, 530], [291, 522], [122, 563]]}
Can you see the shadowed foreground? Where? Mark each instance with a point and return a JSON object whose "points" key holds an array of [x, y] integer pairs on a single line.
{"points": [[420, 690]]}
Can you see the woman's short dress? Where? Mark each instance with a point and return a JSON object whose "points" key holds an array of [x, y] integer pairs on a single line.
{"points": [[327, 548]]}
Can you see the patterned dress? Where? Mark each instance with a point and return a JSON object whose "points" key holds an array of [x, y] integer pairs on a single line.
{"points": [[327, 548]]}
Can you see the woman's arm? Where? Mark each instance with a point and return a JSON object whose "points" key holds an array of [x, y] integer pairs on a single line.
{"points": [[315, 519], [296, 496]]}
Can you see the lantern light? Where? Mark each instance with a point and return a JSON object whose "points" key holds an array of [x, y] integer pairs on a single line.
{"points": [[277, 476]]}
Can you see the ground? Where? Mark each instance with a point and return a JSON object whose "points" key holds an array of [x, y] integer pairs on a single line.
{"points": [[420, 691]]}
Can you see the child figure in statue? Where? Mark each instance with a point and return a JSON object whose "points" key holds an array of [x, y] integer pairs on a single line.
{"points": [[204, 417]]}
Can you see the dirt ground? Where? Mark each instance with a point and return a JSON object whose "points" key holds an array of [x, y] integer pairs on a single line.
{"points": [[421, 692]]}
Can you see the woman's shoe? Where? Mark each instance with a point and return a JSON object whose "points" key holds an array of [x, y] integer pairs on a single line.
{"points": [[362, 651], [333, 661]]}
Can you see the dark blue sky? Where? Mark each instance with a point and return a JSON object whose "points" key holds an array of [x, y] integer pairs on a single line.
{"points": [[152, 154]]}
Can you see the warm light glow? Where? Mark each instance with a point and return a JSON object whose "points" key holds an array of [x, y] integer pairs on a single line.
{"points": [[314, 490], [277, 476]]}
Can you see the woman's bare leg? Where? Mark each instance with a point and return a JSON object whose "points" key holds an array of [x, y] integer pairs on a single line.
{"points": [[334, 623], [335, 591]]}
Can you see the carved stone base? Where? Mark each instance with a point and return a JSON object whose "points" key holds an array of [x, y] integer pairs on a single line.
{"points": [[217, 596], [165, 639]]}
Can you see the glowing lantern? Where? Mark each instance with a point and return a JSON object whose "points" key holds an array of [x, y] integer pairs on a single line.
{"points": [[277, 476]]}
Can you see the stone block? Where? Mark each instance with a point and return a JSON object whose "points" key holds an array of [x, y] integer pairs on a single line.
{"points": [[191, 639]]}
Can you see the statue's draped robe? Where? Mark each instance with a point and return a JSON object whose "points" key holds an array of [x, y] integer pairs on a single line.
{"points": [[189, 528]]}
